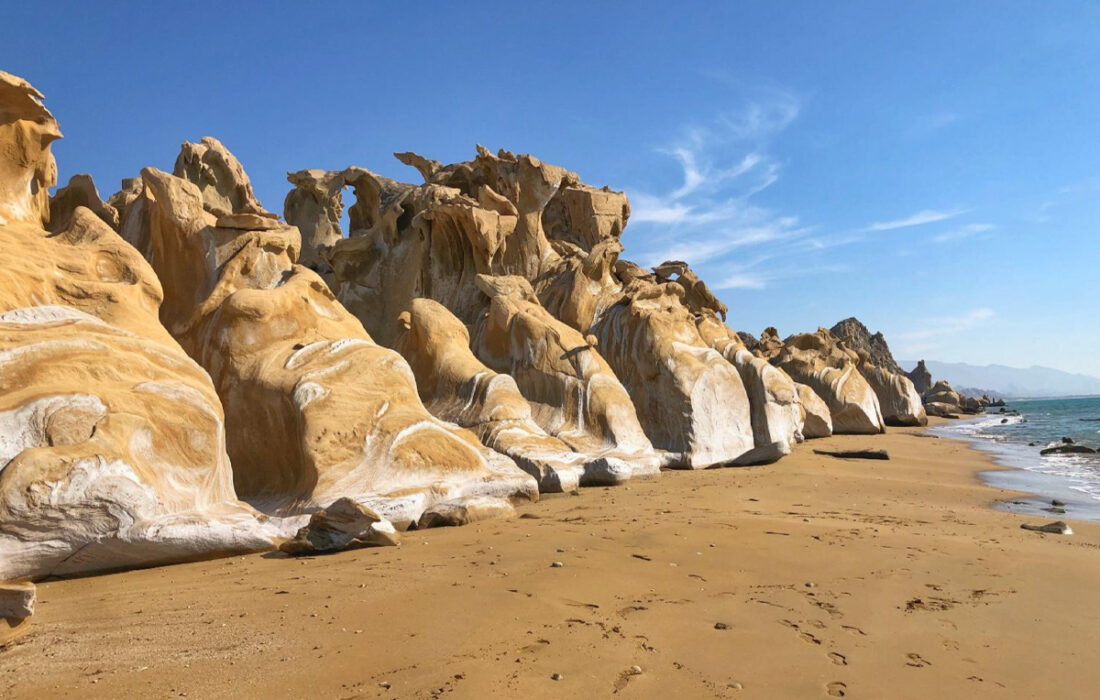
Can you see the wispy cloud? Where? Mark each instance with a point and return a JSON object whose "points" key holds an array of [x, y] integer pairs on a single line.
{"points": [[946, 325], [723, 164], [761, 280], [925, 216], [961, 232]]}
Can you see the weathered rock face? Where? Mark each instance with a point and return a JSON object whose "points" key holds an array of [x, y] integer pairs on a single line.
{"points": [[856, 336], [505, 215], [829, 368], [80, 192], [688, 399], [921, 378], [315, 409], [433, 242], [315, 206], [817, 421], [900, 403], [112, 444], [601, 441], [941, 392], [777, 412]]}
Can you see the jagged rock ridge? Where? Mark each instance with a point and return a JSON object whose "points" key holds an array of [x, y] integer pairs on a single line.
{"points": [[856, 336]]}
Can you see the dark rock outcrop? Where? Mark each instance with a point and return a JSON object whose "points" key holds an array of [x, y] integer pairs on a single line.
{"points": [[921, 378], [856, 336]]}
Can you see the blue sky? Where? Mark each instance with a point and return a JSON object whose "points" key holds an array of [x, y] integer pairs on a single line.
{"points": [[933, 169]]}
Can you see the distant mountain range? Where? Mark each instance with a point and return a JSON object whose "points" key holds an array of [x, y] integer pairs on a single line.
{"points": [[1015, 382]]}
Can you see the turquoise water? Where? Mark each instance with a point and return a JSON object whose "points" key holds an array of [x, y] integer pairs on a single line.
{"points": [[1074, 479]]}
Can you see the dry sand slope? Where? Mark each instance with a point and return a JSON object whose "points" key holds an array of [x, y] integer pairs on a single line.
{"points": [[845, 578]]}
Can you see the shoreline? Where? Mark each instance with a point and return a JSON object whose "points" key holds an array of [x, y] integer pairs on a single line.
{"points": [[871, 579], [1033, 491]]}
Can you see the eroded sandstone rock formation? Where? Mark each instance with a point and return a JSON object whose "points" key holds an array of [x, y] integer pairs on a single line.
{"points": [[503, 215], [898, 399], [942, 400], [830, 369], [315, 409], [80, 192], [112, 442]]}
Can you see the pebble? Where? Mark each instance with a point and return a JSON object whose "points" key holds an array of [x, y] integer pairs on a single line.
{"points": [[810, 584], [720, 626], [736, 686], [385, 684], [555, 676], [557, 565]]}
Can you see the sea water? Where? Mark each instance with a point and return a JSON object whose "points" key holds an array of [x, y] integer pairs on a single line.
{"points": [[1015, 441]]}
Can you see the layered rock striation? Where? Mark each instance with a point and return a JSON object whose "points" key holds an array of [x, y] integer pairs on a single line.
{"points": [[112, 440], [508, 216], [831, 371], [316, 410]]}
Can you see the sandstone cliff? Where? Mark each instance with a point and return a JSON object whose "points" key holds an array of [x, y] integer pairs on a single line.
{"points": [[112, 441], [315, 409], [508, 216], [830, 369]]}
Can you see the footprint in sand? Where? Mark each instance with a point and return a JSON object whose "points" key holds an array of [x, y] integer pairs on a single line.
{"points": [[809, 638], [916, 661], [853, 630], [837, 689], [838, 659]]}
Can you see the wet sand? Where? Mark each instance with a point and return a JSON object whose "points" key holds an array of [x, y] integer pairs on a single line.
{"points": [[861, 579]]}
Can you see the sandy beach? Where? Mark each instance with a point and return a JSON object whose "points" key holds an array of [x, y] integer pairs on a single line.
{"points": [[812, 577]]}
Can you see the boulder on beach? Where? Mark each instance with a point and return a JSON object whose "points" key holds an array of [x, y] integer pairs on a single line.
{"points": [[343, 525]]}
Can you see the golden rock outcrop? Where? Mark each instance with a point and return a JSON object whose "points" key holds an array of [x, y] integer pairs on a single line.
{"points": [[434, 242], [823, 363], [112, 440], [316, 410], [503, 215]]}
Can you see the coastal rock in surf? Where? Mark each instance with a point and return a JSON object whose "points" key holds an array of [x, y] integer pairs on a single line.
{"points": [[1066, 449], [317, 410], [343, 525], [112, 442], [830, 369]]}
